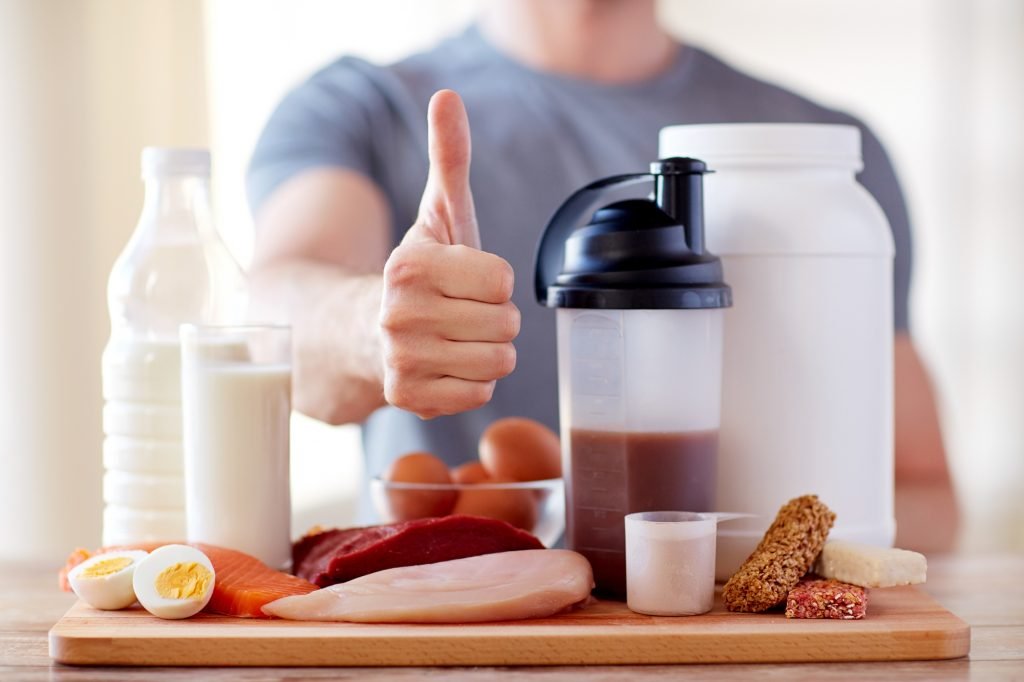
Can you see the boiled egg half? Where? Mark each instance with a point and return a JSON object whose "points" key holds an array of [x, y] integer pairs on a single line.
{"points": [[174, 581], [105, 580]]}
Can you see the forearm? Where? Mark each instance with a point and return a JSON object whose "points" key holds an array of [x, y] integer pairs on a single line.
{"points": [[334, 314]]}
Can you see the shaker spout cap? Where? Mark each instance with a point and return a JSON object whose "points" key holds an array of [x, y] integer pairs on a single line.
{"points": [[571, 214], [679, 192], [635, 252]]}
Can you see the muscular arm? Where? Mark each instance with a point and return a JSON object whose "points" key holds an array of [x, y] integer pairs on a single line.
{"points": [[926, 510], [322, 241], [426, 327]]}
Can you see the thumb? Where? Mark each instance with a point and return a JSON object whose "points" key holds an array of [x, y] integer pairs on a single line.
{"points": [[447, 198]]}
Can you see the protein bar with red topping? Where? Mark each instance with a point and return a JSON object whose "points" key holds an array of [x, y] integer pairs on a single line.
{"points": [[827, 599]]}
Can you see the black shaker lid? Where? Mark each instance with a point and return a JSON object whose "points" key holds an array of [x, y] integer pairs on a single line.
{"points": [[634, 253]]}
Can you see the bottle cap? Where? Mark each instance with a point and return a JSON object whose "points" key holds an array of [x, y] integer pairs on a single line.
{"points": [[634, 253], [164, 161]]}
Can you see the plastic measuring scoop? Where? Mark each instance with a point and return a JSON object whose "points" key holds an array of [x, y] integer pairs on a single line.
{"points": [[670, 561]]}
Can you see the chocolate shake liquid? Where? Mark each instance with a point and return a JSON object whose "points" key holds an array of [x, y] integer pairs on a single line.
{"points": [[614, 474]]}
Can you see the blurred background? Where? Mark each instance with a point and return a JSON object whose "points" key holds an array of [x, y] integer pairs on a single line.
{"points": [[84, 85]]}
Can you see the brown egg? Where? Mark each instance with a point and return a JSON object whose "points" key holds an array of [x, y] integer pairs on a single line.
{"points": [[419, 467], [517, 507], [520, 449], [470, 472]]}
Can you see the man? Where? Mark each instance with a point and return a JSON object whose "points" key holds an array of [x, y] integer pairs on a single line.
{"points": [[392, 300]]}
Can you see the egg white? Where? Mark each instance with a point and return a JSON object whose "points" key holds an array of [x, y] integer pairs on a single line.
{"points": [[152, 566], [107, 592]]}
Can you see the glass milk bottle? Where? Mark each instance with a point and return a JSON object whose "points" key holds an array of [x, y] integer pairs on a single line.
{"points": [[640, 305], [174, 269]]}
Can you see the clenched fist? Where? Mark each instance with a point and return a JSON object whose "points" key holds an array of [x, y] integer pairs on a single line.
{"points": [[447, 319]]}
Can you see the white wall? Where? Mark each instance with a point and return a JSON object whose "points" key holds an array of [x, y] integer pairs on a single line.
{"points": [[83, 86], [939, 80]]}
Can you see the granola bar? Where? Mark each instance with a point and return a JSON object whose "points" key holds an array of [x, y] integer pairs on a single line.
{"points": [[827, 599], [784, 555]]}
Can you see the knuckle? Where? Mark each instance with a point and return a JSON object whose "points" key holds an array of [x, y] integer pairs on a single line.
{"points": [[402, 268], [399, 394], [506, 359], [473, 395], [391, 392], [402, 315], [400, 361], [512, 321], [504, 280], [481, 392], [392, 317]]}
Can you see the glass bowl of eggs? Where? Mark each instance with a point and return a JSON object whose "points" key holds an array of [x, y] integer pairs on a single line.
{"points": [[517, 479]]}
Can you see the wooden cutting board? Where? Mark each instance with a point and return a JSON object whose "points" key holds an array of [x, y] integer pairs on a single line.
{"points": [[902, 624]]}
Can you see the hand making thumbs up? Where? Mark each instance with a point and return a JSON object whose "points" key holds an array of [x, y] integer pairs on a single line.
{"points": [[447, 319]]}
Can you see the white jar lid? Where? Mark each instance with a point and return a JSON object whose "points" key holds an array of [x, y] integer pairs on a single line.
{"points": [[164, 161], [797, 143]]}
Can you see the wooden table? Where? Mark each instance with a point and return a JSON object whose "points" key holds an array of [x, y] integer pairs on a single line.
{"points": [[986, 591]]}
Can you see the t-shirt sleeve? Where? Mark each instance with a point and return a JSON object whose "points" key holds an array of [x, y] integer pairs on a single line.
{"points": [[325, 121], [879, 178]]}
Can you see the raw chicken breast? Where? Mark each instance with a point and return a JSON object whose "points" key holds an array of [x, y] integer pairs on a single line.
{"points": [[504, 586]]}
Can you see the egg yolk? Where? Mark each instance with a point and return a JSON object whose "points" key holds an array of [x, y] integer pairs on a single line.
{"points": [[105, 567], [183, 581]]}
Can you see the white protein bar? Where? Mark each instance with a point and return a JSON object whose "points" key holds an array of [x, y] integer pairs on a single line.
{"points": [[870, 566]]}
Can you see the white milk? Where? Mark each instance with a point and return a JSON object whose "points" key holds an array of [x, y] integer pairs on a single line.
{"points": [[173, 270], [236, 462], [142, 445]]}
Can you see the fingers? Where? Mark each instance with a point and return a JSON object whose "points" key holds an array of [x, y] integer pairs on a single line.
{"points": [[470, 360], [453, 319], [443, 396], [456, 272], [474, 321], [474, 275], [430, 376], [477, 361], [447, 204]]}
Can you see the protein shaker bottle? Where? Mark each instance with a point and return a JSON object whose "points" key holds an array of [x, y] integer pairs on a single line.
{"points": [[640, 310]]}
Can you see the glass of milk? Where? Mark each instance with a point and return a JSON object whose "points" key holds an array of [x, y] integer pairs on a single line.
{"points": [[236, 406]]}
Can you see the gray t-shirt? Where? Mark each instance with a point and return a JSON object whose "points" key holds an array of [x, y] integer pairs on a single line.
{"points": [[537, 137]]}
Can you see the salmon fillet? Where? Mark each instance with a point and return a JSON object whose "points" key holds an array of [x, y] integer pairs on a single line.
{"points": [[243, 583], [492, 587]]}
